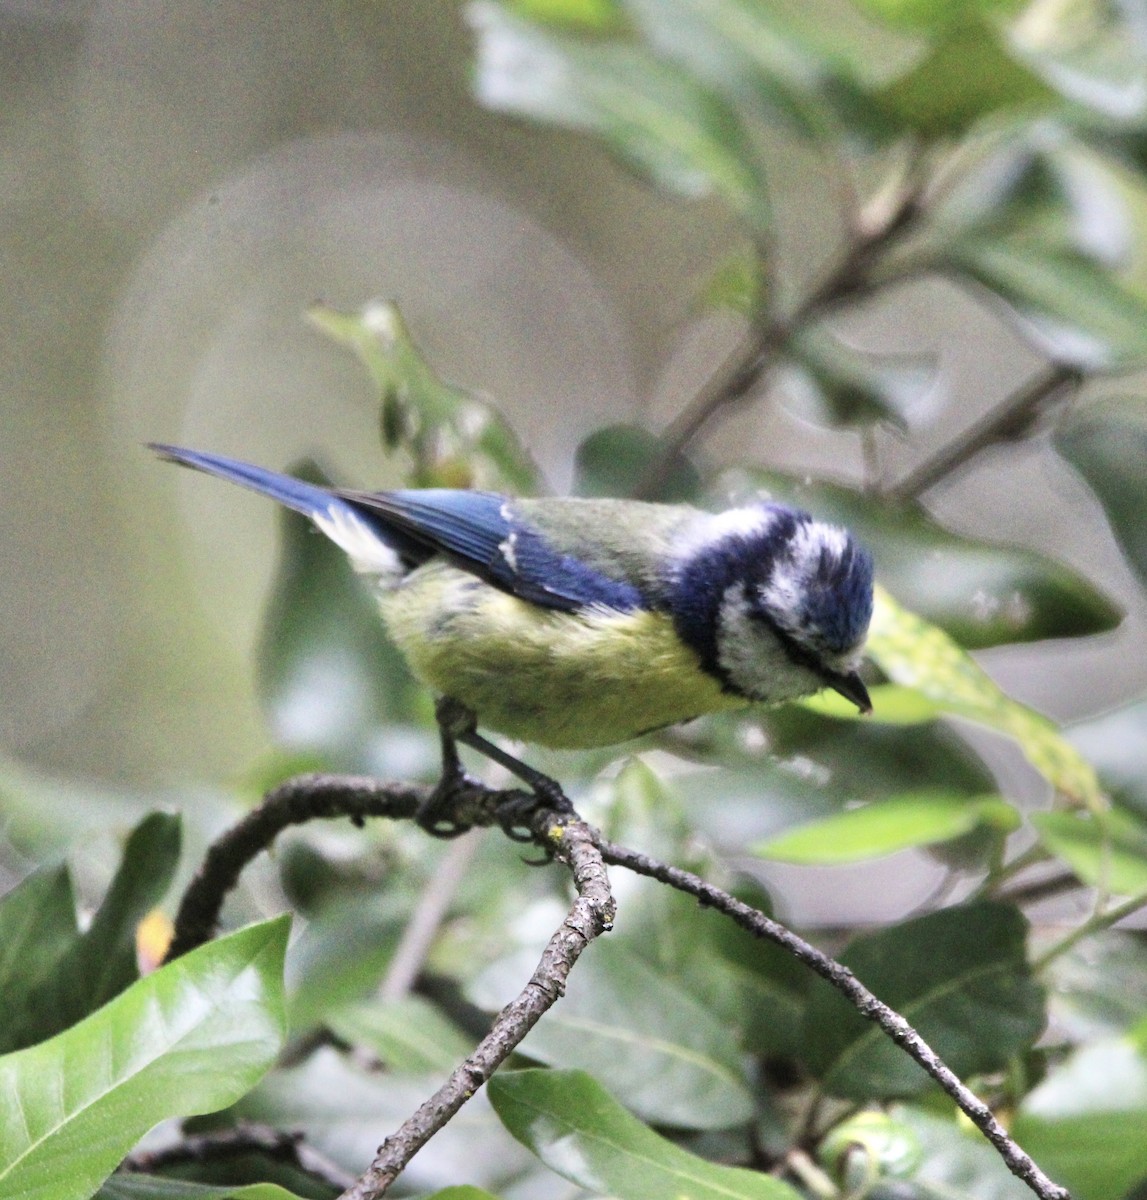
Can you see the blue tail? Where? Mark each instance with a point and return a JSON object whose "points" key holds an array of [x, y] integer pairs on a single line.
{"points": [[347, 525], [307, 498]]}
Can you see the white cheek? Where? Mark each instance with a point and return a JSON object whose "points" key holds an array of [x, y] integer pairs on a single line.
{"points": [[783, 594], [755, 660]]}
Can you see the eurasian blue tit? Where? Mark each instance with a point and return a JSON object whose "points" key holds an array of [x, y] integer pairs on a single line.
{"points": [[574, 622]]}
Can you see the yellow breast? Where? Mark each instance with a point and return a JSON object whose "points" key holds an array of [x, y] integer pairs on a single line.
{"points": [[561, 679]]}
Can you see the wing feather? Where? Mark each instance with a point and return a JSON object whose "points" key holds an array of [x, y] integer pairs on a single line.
{"points": [[481, 532]]}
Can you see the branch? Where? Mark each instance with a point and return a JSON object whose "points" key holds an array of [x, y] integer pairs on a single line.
{"points": [[891, 1022], [1010, 420], [567, 838], [574, 843], [222, 1144], [768, 337], [1103, 920], [303, 798]]}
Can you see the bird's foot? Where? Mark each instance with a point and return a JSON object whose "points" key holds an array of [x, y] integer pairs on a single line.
{"points": [[459, 801], [449, 810]]}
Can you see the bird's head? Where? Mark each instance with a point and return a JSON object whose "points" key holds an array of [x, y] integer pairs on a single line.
{"points": [[789, 603]]}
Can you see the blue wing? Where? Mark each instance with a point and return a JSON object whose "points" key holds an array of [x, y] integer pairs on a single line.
{"points": [[476, 531], [481, 533]]}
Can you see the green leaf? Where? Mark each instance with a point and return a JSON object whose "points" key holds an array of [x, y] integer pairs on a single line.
{"points": [[817, 766], [1043, 193], [770, 61], [982, 594], [889, 1146], [463, 1192], [409, 1035], [918, 655], [648, 1040], [958, 1162], [969, 72], [660, 120], [1092, 55], [454, 438], [1084, 1124], [1106, 849], [160, 1187], [868, 760], [886, 826], [105, 957], [599, 15], [340, 957], [191, 1038], [342, 1110], [612, 462], [1096, 987], [37, 929], [579, 1131], [751, 988], [762, 977], [897, 705], [926, 16], [1073, 309], [329, 677], [959, 976], [1106, 442], [101, 962], [830, 383]]}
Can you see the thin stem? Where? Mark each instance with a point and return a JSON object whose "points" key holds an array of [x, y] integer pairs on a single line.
{"points": [[221, 1145], [429, 913], [735, 378], [798, 1163], [1094, 924], [574, 843], [1007, 420], [892, 1023], [1030, 857], [1040, 889]]}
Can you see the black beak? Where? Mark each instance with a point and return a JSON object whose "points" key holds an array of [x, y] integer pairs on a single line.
{"points": [[851, 687]]}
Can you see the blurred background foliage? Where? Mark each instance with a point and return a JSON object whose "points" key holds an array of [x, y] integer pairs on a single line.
{"points": [[881, 258]]}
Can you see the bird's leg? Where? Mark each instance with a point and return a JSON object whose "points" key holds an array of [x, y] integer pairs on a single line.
{"points": [[457, 725], [438, 814]]}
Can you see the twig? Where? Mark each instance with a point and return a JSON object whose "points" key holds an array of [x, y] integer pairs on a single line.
{"points": [[768, 336], [1021, 894], [1100, 921], [581, 848], [1008, 420], [222, 1144], [574, 843], [891, 1022], [303, 798], [432, 906]]}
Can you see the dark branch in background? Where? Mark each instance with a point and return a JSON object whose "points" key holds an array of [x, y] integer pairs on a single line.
{"points": [[1009, 420], [769, 335], [891, 1022], [566, 838], [573, 843], [221, 1145], [873, 233]]}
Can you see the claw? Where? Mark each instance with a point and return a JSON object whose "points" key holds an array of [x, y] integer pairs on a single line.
{"points": [[515, 811]]}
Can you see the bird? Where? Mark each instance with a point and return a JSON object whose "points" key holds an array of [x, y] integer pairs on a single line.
{"points": [[581, 622]]}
